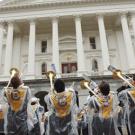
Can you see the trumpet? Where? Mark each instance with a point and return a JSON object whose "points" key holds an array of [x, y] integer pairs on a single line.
{"points": [[51, 75], [118, 74], [13, 71]]}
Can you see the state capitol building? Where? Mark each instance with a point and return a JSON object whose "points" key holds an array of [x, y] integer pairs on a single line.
{"points": [[74, 37]]}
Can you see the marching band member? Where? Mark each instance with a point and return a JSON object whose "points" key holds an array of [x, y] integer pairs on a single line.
{"points": [[61, 104], [127, 102], [17, 96], [125, 85], [35, 113], [1, 120], [102, 112], [126, 99], [122, 116], [3, 114], [93, 90], [82, 119]]}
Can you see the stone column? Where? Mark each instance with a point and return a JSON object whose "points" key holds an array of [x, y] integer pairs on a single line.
{"points": [[1, 41], [17, 55], [79, 44], [133, 22], [104, 46], [128, 43], [9, 47], [55, 45], [31, 51]]}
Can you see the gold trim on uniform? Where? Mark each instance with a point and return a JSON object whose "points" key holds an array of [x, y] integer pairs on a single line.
{"points": [[62, 103], [16, 97], [132, 93], [106, 106]]}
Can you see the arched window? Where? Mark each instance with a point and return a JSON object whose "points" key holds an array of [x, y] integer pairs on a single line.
{"points": [[94, 65], [44, 68]]}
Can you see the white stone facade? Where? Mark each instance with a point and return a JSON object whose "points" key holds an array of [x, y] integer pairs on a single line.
{"points": [[87, 33]]}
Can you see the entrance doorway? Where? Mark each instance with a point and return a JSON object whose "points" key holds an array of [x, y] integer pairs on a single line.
{"points": [[69, 67]]}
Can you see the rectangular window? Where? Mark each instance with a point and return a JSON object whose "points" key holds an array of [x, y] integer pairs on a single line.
{"points": [[92, 42], [44, 68], [133, 39], [44, 46], [69, 67]]}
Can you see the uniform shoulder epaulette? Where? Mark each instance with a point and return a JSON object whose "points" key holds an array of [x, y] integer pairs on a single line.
{"points": [[70, 90], [24, 87]]}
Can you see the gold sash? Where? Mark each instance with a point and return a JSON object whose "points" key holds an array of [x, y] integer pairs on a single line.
{"points": [[16, 97], [106, 109], [62, 103], [132, 93]]}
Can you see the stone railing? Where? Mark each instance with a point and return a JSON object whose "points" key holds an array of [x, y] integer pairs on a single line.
{"points": [[73, 74]]}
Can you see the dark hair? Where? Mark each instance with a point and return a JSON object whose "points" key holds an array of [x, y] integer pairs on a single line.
{"points": [[104, 88], [15, 82], [59, 85], [133, 77]]}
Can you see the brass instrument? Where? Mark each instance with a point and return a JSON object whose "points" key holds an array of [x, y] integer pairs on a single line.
{"points": [[15, 97], [118, 74], [83, 111], [51, 75], [13, 71], [85, 84]]}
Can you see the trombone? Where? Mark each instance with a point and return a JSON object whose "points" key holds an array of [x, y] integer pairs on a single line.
{"points": [[85, 84], [118, 74], [51, 75]]}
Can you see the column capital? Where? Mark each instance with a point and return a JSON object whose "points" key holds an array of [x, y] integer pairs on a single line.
{"points": [[32, 20], [2, 22], [77, 16], [123, 13], [100, 14], [10, 22], [132, 14], [55, 18]]}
